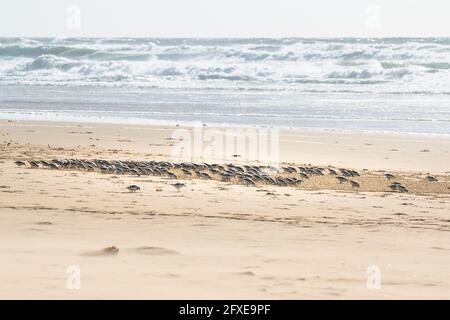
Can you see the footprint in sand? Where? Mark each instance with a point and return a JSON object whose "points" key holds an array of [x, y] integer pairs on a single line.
{"points": [[245, 273], [44, 223], [106, 252], [154, 251]]}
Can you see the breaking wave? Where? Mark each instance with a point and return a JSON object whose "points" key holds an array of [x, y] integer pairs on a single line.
{"points": [[381, 65]]}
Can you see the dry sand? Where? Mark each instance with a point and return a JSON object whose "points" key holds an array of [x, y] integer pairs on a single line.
{"points": [[215, 239]]}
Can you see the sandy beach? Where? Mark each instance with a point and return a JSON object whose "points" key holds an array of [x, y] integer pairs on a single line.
{"points": [[221, 239]]}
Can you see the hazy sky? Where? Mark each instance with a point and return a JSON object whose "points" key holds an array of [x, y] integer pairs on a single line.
{"points": [[225, 18]]}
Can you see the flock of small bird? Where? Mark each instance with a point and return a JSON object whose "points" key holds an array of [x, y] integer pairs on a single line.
{"points": [[249, 175], [395, 186]]}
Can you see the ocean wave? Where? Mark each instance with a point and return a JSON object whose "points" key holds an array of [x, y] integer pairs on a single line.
{"points": [[48, 62], [36, 51], [254, 64]]}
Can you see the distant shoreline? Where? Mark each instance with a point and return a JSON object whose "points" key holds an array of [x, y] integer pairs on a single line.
{"points": [[27, 117]]}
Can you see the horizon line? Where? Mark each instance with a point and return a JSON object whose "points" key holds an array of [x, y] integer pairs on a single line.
{"points": [[230, 37]]}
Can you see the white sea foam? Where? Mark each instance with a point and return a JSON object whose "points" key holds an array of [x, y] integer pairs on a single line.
{"points": [[400, 85], [412, 64]]}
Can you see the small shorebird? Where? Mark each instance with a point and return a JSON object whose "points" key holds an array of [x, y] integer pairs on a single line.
{"points": [[345, 173], [248, 182], [303, 175], [133, 188], [333, 172], [355, 185], [289, 169], [20, 163], [432, 179], [53, 166], [354, 173], [171, 175], [397, 186], [179, 186], [186, 172], [389, 176], [34, 164], [394, 187], [205, 176], [341, 179]]}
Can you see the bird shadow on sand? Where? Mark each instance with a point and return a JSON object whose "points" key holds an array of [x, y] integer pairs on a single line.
{"points": [[153, 251], [106, 252]]}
